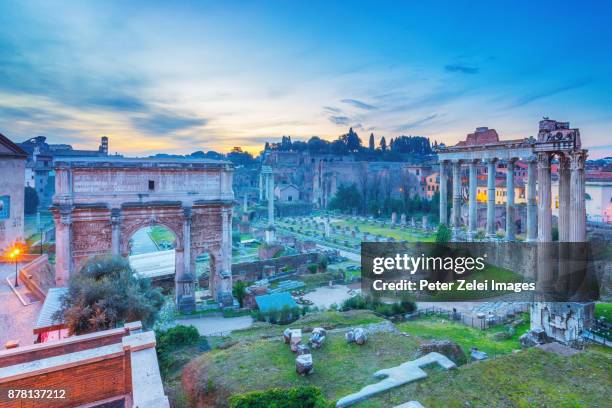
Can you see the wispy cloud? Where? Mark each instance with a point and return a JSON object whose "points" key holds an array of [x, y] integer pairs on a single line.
{"points": [[417, 123], [340, 120], [463, 69], [331, 109], [358, 104], [160, 123], [550, 92]]}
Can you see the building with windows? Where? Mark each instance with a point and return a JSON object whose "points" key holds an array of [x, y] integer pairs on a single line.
{"points": [[12, 187]]}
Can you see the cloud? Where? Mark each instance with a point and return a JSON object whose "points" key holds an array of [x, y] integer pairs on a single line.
{"points": [[416, 123], [331, 109], [463, 69], [159, 123], [550, 92], [340, 120], [358, 104]]}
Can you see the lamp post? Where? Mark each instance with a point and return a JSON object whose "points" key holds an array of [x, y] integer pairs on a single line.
{"points": [[14, 254]]}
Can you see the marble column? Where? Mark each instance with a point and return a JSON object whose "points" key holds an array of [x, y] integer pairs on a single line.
{"points": [[577, 212], [187, 217], [116, 231], [564, 198], [63, 247], [443, 193], [473, 204], [544, 199], [491, 169], [532, 222], [270, 199], [261, 187], [456, 212], [510, 201]]}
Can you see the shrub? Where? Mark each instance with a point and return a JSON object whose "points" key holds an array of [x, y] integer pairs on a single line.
{"points": [[298, 397], [386, 309], [172, 339], [312, 268]]}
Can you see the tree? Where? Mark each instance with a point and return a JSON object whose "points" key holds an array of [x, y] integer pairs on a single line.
{"points": [[383, 144], [443, 234], [351, 140], [30, 200], [371, 143], [105, 294], [346, 198], [239, 291]]}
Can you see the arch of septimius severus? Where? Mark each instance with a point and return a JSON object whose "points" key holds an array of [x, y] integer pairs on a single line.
{"points": [[556, 140], [100, 203]]}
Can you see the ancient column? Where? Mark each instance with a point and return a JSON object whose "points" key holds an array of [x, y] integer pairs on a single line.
{"points": [[63, 247], [532, 222], [544, 199], [270, 199], [577, 212], [443, 193], [510, 201], [491, 169], [116, 231], [261, 187], [472, 204], [456, 212], [187, 217], [564, 198], [224, 293]]}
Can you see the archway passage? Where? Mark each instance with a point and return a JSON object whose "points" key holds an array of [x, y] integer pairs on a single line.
{"points": [[152, 252]]}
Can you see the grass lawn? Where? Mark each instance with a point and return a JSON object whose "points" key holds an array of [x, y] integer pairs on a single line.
{"points": [[257, 359], [396, 233], [433, 327], [159, 234], [531, 378], [604, 310], [340, 368]]}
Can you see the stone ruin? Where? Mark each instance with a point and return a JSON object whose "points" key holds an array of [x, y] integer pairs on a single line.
{"points": [[561, 322], [447, 348], [396, 376], [304, 364], [317, 338], [303, 359], [358, 336]]}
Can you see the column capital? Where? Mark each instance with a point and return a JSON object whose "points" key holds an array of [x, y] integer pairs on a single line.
{"points": [[187, 214], [490, 160], [511, 160], [564, 162], [531, 159], [578, 159], [115, 216]]}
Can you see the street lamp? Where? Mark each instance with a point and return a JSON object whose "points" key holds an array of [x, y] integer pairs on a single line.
{"points": [[14, 254]]}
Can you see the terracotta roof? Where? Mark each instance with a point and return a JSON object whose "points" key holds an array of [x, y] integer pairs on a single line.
{"points": [[14, 150]]}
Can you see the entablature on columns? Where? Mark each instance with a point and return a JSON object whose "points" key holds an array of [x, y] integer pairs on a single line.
{"points": [[483, 154]]}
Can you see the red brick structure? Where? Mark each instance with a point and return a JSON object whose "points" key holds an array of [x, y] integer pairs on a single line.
{"points": [[116, 367], [101, 202]]}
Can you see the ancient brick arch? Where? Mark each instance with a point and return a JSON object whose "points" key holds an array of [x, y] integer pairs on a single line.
{"points": [[100, 203]]}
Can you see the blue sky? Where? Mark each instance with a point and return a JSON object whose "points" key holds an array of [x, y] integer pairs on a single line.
{"points": [[186, 76]]}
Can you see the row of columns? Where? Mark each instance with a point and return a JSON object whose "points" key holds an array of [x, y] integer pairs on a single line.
{"points": [[572, 214]]}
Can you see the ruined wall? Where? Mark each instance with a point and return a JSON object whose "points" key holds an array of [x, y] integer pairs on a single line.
{"points": [[252, 271], [12, 185]]}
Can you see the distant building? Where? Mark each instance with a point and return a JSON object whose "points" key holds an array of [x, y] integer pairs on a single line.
{"points": [[432, 185], [12, 187], [39, 167], [287, 193]]}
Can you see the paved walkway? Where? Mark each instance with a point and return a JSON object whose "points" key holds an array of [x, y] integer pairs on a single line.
{"points": [[142, 242], [217, 325], [325, 296], [16, 320], [154, 264]]}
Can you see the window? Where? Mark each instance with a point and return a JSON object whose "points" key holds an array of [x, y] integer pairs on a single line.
{"points": [[151, 185], [5, 206], [290, 198]]}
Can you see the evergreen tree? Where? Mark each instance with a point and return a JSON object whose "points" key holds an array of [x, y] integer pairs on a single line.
{"points": [[383, 144], [371, 144]]}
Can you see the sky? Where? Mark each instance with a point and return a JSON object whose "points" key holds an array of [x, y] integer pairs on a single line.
{"points": [[178, 77]]}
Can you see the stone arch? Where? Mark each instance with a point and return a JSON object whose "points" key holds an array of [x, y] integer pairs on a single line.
{"points": [[128, 233]]}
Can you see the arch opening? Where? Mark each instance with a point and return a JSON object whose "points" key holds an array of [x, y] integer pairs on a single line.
{"points": [[152, 252]]}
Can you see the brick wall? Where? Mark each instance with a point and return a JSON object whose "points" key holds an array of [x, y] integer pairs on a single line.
{"points": [[84, 383]]}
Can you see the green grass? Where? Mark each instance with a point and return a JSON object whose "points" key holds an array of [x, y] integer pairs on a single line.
{"points": [[604, 310], [159, 234], [433, 327], [340, 368], [396, 233], [531, 378]]}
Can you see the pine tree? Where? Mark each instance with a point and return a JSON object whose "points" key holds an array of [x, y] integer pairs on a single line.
{"points": [[371, 144], [383, 144]]}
